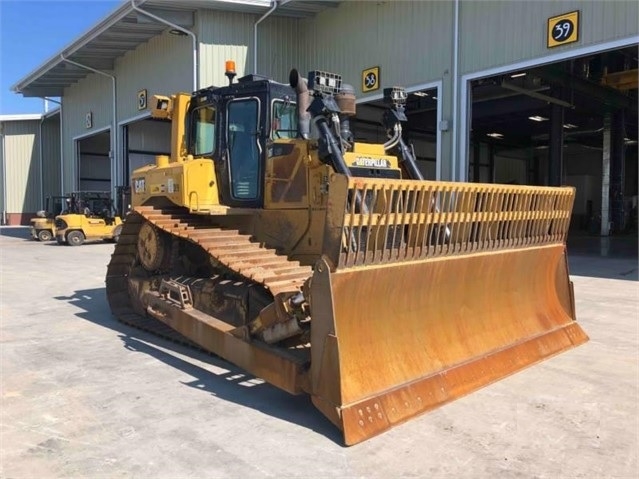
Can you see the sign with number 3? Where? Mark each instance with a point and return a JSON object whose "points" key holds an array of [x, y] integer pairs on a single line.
{"points": [[563, 29]]}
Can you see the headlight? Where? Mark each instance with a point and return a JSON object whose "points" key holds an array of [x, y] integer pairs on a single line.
{"points": [[396, 95], [324, 82]]}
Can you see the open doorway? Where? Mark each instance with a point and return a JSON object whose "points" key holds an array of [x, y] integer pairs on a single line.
{"points": [[94, 162], [143, 141], [572, 122]]}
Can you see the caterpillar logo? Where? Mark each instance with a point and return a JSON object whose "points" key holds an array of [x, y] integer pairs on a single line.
{"points": [[139, 185], [368, 162]]}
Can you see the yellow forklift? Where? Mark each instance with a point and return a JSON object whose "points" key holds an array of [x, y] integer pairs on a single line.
{"points": [[90, 216], [43, 225]]}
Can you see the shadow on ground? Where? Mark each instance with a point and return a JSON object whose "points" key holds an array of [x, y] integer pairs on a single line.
{"points": [[234, 384], [612, 257], [622, 246], [16, 232]]}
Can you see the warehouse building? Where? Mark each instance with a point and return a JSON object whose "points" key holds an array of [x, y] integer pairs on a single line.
{"points": [[513, 92], [31, 166]]}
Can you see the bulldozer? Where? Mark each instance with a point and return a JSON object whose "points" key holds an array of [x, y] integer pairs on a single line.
{"points": [[43, 225], [330, 267], [88, 216]]}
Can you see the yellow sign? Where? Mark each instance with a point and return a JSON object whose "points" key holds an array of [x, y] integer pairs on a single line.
{"points": [[142, 100], [563, 29], [370, 79]]}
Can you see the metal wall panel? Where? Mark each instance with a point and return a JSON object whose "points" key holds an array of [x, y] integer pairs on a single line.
{"points": [[163, 66], [224, 36], [229, 36], [22, 166], [410, 41], [93, 94], [495, 33], [51, 156], [278, 47]]}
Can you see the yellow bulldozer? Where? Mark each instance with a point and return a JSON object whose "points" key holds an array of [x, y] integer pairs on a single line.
{"points": [[330, 267]]}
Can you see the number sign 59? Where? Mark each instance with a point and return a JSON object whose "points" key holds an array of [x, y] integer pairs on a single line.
{"points": [[563, 29]]}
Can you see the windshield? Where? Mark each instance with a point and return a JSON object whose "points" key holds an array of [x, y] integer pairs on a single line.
{"points": [[203, 131]]}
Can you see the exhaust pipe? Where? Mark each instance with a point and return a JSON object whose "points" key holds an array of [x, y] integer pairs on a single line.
{"points": [[346, 101], [300, 86]]}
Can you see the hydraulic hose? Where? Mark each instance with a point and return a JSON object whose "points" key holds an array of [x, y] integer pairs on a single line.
{"points": [[408, 160], [337, 160], [392, 142], [334, 148]]}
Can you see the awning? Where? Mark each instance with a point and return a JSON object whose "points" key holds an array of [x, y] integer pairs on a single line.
{"points": [[125, 29]]}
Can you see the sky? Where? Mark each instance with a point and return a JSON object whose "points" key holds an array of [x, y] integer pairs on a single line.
{"points": [[32, 32]]}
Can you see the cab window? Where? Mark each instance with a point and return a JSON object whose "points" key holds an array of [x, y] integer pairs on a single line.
{"points": [[203, 131], [284, 120]]}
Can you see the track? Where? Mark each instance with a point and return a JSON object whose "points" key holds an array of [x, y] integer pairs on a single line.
{"points": [[228, 248]]}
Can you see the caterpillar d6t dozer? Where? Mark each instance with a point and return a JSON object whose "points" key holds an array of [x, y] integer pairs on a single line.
{"points": [[330, 267]]}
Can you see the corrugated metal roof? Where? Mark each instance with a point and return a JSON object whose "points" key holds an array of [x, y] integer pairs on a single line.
{"points": [[125, 29]]}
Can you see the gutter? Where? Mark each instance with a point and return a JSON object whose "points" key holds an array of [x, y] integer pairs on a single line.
{"points": [[196, 77]]}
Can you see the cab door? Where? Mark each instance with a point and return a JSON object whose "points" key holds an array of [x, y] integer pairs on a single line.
{"points": [[244, 151]]}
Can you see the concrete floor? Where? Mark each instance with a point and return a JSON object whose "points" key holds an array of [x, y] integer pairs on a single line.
{"points": [[85, 396]]}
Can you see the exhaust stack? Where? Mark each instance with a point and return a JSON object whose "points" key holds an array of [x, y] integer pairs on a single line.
{"points": [[346, 101], [300, 86]]}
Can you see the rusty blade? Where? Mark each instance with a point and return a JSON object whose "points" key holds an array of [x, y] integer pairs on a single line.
{"points": [[399, 339]]}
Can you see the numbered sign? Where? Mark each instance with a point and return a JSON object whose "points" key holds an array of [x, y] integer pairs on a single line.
{"points": [[563, 29], [370, 79], [142, 100]]}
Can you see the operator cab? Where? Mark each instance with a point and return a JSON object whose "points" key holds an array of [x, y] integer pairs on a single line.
{"points": [[232, 125], [235, 125]]}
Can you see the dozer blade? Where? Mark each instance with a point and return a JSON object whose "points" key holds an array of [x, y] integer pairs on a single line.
{"points": [[429, 291]]}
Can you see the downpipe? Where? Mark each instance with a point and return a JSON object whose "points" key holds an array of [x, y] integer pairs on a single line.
{"points": [[4, 175], [260, 20]]}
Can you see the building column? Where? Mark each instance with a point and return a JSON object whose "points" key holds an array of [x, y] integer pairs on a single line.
{"points": [[605, 176], [617, 172], [556, 146]]}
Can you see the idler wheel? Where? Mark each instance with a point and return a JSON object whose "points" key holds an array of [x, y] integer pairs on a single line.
{"points": [[153, 247]]}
